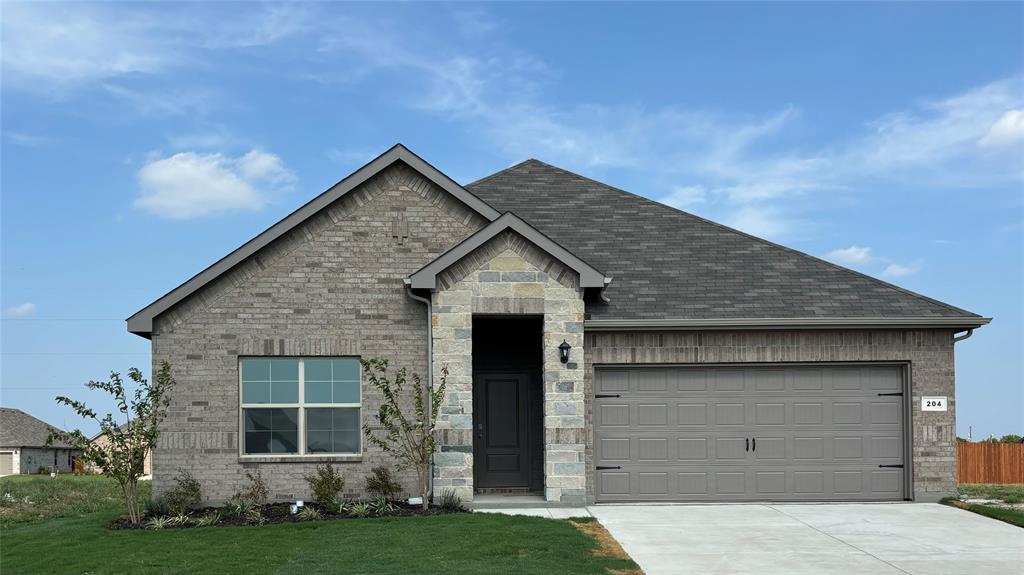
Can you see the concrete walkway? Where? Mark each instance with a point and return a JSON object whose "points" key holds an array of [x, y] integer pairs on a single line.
{"points": [[870, 539]]}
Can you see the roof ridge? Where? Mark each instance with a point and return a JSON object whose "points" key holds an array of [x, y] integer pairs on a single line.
{"points": [[500, 172], [756, 238]]}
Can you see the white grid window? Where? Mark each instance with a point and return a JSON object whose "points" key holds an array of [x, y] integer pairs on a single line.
{"points": [[300, 406]]}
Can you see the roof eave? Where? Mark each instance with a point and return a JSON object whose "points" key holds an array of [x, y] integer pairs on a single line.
{"points": [[969, 322]]}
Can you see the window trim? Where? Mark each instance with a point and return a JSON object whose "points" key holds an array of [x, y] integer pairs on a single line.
{"points": [[301, 406]]}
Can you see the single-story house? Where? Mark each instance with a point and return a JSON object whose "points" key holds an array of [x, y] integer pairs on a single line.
{"points": [[102, 440], [23, 447], [600, 347]]}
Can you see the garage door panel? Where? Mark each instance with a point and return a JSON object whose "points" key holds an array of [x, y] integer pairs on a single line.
{"points": [[822, 434]]}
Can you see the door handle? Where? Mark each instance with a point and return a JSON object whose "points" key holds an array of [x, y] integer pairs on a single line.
{"points": [[600, 467], [747, 440], [755, 444]]}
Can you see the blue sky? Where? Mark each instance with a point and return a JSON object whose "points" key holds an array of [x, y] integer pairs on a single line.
{"points": [[141, 142]]}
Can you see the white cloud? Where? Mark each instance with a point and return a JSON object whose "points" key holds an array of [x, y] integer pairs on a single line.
{"points": [[1007, 131], [895, 270], [27, 309], [190, 185], [28, 140], [685, 196], [851, 255]]}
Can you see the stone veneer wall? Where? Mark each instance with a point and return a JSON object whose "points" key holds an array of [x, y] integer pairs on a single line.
{"points": [[510, 275], [331, 287], [930, 353]]}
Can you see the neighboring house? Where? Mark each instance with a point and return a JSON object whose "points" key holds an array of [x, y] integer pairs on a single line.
{"points": [[103, 440], [23, 447], [600, 346]]}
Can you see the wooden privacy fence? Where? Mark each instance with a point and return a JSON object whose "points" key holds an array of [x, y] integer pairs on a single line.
{"points": [[990, 462]]}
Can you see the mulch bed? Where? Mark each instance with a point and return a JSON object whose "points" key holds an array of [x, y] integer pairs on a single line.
{"points": [[275, 513]]}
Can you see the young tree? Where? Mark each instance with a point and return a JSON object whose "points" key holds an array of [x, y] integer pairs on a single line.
{"points": [[123, 455], [410, 439]]}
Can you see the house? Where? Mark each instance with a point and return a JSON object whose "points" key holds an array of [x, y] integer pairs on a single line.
{"points": [[102, 440], [23, 447], [600, 347]]}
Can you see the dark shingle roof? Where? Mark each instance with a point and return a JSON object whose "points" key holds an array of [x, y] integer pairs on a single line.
{"points": [[19, 429], [668, 264]]}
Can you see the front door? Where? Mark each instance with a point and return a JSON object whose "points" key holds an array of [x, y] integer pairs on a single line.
{"points": [[501, 446]]}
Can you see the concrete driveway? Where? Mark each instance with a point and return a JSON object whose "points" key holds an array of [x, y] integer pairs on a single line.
{"points": [[917, 538]]}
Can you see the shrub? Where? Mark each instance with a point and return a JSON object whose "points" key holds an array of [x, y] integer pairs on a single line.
{"points": [[360, 510], [379, 483], [309, 513], [209, 520], [239, 505], [157, 506], [180, 519], [186, 495], [254, 516], [257, 491], [326, 484], [43, 470], [158, 523], [450, 500], [382, 506]]}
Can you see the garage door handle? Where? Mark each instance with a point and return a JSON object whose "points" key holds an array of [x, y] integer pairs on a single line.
{"points": [[893, 393], [898, 465], [603, 395], [754, 442], [600, 467], [748, 444]]}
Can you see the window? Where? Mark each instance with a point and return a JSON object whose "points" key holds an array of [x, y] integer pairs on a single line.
{"points": [[300, 406]]}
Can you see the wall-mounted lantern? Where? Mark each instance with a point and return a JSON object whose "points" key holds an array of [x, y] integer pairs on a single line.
{"points": [[563, 351]]}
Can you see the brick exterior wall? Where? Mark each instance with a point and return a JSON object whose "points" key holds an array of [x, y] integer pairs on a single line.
{"points": [[331, 287], [510, 275], [929, 352]]}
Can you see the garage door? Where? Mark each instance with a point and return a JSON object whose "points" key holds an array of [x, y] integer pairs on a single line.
{"points": [[795, 433], [6, 463]]}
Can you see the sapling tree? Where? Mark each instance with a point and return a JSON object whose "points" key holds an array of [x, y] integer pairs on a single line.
{"points": [[408, 437], [122, 456]]}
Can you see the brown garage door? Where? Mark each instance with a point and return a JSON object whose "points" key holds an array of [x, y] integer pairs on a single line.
{"points": [[794, 433]]}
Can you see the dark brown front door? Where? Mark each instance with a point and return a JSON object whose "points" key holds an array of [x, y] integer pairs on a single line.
{"points": [[501, 446]]}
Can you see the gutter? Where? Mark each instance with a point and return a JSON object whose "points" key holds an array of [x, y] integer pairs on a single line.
{"points": [[967, 322], [430, 365]]}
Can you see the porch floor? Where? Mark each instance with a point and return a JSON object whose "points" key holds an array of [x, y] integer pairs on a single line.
{"points": [[484, 501]]}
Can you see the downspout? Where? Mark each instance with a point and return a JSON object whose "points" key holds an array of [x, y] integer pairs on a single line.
{"points": [[957, 338], [430, 366]]}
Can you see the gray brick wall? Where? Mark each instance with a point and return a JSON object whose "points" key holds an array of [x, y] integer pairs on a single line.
{"points": [[930, 353], [333, 286]]}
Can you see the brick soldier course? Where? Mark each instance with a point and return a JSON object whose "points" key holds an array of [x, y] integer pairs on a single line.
{"points": [[341, 278]]}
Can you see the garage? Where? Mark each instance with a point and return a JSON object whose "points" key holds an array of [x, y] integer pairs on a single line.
{"points": [[750, 433], [6, 462]]}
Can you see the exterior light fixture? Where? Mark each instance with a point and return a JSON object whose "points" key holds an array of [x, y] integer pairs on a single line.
{"points": [[563, 351]]}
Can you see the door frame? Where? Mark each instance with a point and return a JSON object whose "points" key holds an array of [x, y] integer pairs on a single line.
{"points": [[534, 425], [906, 382]]}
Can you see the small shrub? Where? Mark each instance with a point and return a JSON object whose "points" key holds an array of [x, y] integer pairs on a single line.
{"points": [[379, 483], [43, 470], [326, 484], [381, 506], [187, 493], [342, 507], [360, 510], [239, 505], [157, 523], [309, 513], [209, 520], [180, 519], [157, 506], [257, 490], [254, 516], [450, 500]]}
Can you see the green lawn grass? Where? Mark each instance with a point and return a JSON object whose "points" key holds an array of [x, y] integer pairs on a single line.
{"points": [[29, 498], [1011, 516], [1008, 493], [64, 530]]}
